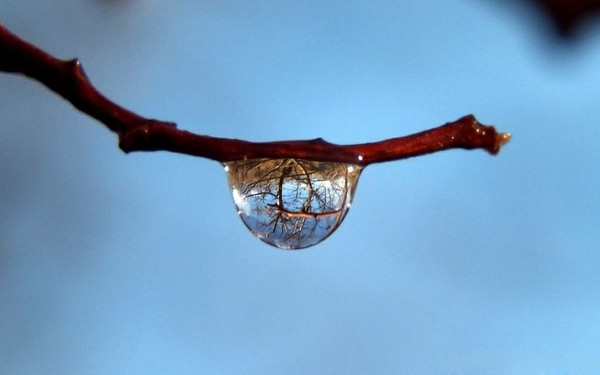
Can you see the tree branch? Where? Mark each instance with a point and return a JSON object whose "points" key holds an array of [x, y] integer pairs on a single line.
{"points": [[137, 133]]}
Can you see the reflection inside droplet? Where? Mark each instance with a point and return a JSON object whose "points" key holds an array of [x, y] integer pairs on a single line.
{"points": [[292, 203]]}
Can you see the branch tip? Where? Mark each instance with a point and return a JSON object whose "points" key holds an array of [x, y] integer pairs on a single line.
{"points": [[500, 140], [503, 138], [488, 137]]}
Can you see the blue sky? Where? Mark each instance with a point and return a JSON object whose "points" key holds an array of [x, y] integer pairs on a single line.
{"points": [[457, 262]]}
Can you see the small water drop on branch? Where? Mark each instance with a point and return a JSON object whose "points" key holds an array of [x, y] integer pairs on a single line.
{"points": [[292, 203]]}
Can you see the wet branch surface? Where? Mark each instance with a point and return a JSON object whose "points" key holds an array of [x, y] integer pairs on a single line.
{"points": [[137, 133]]}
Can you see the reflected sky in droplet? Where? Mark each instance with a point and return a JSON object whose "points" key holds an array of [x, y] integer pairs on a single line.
{"points": [[292, 203]]}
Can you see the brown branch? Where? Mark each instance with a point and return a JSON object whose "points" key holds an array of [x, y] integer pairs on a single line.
{"points": [[137, 133], [301, 214]]}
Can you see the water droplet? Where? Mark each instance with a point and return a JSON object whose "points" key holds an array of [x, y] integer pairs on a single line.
{"points": [[292, 203]]}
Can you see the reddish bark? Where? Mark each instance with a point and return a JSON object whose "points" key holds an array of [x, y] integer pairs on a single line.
{"points": [[137, 133]]}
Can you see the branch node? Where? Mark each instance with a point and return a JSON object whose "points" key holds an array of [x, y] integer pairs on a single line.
{"points": [[321, 141], [145, 136], [76, 68]]}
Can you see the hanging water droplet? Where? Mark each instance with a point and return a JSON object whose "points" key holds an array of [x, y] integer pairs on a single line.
{"points": [[292, 203]]}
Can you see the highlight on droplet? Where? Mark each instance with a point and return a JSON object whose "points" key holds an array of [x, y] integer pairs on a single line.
{"points": [[292, 203]]}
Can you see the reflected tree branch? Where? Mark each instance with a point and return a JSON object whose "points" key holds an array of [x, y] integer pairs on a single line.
{"points": [[297, 204], [137, 133]]}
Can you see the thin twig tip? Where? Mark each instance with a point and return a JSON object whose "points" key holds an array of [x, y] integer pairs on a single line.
{"points": [[503, 138]]}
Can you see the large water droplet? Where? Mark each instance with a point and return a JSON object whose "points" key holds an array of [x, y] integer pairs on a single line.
{"points": [[292, 203]]}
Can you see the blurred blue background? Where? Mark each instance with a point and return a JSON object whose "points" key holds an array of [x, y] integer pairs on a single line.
{"points": [[453, 263]]}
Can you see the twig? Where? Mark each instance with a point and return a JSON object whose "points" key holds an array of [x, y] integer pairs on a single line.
{"points": [[137, 133]]}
